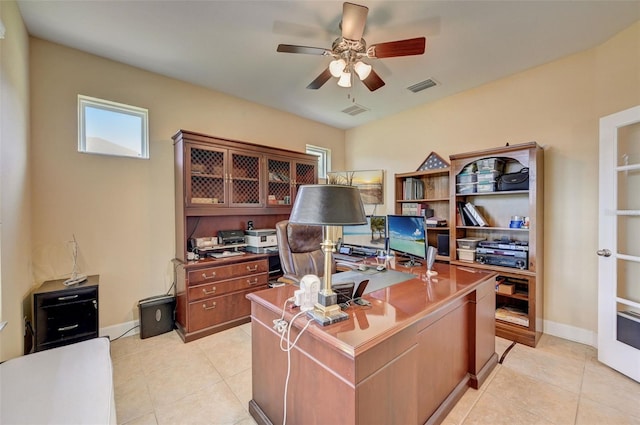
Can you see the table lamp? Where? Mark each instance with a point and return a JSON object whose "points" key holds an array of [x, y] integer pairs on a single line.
{"points": [[328, 205]]}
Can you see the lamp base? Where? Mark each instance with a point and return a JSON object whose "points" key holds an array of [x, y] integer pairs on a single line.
{"points": [[327, 301], [327, 315]]}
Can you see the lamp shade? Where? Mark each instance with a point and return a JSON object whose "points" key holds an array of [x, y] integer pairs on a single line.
{"points": [[328, 205]]}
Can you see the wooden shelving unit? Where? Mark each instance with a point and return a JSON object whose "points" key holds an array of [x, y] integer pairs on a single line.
{"points": [[498, 208], [434, 194]]}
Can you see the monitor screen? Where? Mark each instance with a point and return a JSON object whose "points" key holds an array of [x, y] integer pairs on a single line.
{"points": [[370, 235], [407, 235]]}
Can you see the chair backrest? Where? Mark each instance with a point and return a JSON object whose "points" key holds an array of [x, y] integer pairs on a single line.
{"points": [[300, 250]]}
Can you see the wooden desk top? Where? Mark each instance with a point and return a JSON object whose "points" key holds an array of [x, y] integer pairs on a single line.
{"points": [[392, 309]]}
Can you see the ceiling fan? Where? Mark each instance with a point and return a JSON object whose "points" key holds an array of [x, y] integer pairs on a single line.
{"points": [[350, 48]]}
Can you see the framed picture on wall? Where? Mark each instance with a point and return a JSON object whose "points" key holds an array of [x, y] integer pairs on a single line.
{"points": [[369, 182]]}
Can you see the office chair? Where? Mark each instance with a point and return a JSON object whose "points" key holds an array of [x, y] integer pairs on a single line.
{"points": [[300, 251]]}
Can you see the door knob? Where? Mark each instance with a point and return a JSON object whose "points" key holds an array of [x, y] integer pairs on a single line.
{"points": [[604, 253]]}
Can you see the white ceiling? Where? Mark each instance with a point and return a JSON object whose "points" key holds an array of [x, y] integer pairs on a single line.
{"points": [[230, 46]]}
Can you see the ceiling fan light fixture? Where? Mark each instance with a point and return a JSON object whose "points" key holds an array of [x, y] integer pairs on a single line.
{"points": [[345, 80], [336, 67], [362, 69]]}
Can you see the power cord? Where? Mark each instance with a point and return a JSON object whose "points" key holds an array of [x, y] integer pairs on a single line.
{"points": [[136, 326], [282, 327]]}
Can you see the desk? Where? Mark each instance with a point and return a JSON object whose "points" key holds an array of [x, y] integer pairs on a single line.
{"points": [[407, 359]]}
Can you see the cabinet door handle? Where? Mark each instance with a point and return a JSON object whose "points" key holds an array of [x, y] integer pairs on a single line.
{"points": [[252, 282], [212, 291], [204, 275], [68, 297], [213, 305], [254, 269], [67, 328]]}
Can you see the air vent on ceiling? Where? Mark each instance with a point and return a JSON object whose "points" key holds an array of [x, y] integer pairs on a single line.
{"points": [[355, 109], [422, 85]]}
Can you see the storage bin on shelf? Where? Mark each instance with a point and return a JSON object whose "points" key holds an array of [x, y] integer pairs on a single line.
{"points": [[466, 178], [486, 187], [466, 255], [468, 243], [466, 188], [490, 164]]}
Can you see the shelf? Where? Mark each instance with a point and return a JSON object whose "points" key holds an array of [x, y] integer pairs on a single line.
{"points": [[207, 176], [506, 322], [425, 201], [496, 193], [500, 269], [516, 296], [502, 229]]}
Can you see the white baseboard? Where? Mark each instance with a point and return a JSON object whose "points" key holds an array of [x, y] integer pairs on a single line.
{"points": [[115, 331], [572, 333]]}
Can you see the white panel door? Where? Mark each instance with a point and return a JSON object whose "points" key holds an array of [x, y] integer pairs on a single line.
{"points": [[619, 243]]}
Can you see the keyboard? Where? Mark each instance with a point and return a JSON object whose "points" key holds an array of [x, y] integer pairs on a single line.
{"points": [[227, 254], [348, 258]]}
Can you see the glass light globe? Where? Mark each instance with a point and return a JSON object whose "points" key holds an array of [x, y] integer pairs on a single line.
{"points": [[345, 80], [362, 69], [336, 67]]}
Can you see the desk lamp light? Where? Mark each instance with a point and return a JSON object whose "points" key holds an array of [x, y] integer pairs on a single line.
{"points": [[328, 205]]}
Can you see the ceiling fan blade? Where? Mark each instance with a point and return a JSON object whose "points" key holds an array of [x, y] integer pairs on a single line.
{"points": [[320, 80], [373, 81], [290, 48], [354, 18], [412, 46]]}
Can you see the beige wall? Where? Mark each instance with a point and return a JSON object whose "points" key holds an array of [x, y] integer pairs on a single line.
{"points": [[122, 210], [15, 235], [558, 105]]}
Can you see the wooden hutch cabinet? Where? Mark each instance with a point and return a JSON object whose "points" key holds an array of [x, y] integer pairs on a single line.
{"points": [[519, 306], [223, 184]]}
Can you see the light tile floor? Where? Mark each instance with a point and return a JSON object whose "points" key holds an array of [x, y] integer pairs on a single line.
{"points": [[161, 380]]}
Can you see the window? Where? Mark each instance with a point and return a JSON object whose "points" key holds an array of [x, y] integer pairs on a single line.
{"points": [[111, 128], [324, 159]]}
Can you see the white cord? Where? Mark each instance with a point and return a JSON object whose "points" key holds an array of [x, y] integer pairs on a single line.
{"points": [[288, 351]]}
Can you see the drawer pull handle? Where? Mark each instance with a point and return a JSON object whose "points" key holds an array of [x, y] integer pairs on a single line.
{"points": [[213, 305], [68, 297], [254, 269], [212, 291], [204, 275], [67, 328], [252, 282]]}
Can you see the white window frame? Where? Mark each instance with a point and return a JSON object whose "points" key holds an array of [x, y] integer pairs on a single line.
{"points": [[139, 151], [324, 159]]}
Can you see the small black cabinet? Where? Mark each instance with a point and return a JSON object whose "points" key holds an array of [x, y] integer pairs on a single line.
{"points": [[65, 314]]}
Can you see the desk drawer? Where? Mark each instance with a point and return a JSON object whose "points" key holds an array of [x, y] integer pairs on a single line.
{"points": [[220, 288], [213, 311], [230, 271]]}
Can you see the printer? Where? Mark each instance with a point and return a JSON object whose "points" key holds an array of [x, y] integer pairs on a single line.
{"points": [[261, 241]]}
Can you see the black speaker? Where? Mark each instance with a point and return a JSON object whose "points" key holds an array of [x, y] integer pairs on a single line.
{"points": [[443, 244], [156, 315]]}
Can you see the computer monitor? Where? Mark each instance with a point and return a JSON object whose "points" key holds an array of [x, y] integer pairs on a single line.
{"points": [[407, 236], [371, 235]]}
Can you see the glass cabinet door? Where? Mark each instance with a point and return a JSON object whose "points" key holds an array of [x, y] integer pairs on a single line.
{"points": [[244, 179], [279, 182], [206, 177]]}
